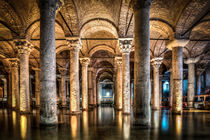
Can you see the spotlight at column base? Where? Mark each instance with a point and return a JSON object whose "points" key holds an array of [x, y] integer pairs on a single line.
{"points": [[75, 112], [176, 112], [48, 122]]}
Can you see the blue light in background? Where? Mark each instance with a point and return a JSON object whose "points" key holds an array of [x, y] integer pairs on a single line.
{"points": [[165, 122]]}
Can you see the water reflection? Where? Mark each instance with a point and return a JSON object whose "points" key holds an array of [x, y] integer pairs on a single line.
{"points": [[23, 126], [165, 121], [178, 121], [74, 126], [14, 119], [126, 127], [85, 122]]}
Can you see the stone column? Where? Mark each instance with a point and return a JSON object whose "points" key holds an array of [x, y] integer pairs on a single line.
{"points": [[74, 44], [24, 49], [90, 87], [125, 46], [94, 89], [5, 87], [15, 97], [48, 102], [199, 73], [37, 86], [156, 62], [119, 83], [98, 93], [171, 88], [62, 71], [85, 62], [142, 110], [191, 80], [177, 69]]}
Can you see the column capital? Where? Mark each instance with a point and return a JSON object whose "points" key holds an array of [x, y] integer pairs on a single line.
{"points": [[156, 62], [85, 61], [118, 61], [62, 71], [199, 71], [24, 46], [125, 45], [14, 62], [192, 60], [74, 43], [138, 4], [177, 43]]}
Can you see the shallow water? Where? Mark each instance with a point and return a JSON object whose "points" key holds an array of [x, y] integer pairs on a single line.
{"points": [[104, 123]]}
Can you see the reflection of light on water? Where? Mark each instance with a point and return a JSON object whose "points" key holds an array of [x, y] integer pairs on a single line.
{"points": [[126, 127], [14, 118], [165, 122], [120, 120], [23, 126], [74, 126], [85, 121], [156, 119], [178, 124]]}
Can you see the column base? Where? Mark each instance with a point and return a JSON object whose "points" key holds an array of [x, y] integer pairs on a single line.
{"points": [[119, 109], [85, 109], [177, 112], [155, 108], [75, 113], [126, 113], [25, 112]]}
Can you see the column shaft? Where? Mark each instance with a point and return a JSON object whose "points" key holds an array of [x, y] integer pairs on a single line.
{"points": [[119, 84], [142, 91], [37, 87], [177, 66], [63, 91], [126, 83], [156, 91], [191, 85], [171, 90], [48, 102], [198, 84], [90, 88], [94, 90]]}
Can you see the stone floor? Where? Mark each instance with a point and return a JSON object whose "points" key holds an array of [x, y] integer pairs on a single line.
{"points": [[105, 123]]}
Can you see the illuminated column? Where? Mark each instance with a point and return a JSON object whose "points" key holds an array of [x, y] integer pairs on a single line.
{"points": [[15, 98], [142, 91], [199, 73], [156, 62], [98, 93], [62, 71], [74, 44], [84, 62], [37, 86], [171, 88], [119, 83], [191, 80], [5, 87], [90, 87], [24, 49], [177, 71], [48, 101], [125, 46], [94, 89]]}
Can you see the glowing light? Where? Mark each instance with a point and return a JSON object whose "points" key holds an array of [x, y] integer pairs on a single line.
{"points": [[165, 124], [178, 124], [85, 121], [23, 126], [107, 94], [14, 118], [126, 127], [74, 126]]}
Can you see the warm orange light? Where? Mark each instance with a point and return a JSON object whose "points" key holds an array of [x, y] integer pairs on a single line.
{"points": [[126, 127], [178, 124], [23, 126], [14, 118], [85, 122], [74, 126]]}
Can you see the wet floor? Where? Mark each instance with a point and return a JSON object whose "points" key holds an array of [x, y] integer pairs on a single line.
{"points": [[105, 123]]}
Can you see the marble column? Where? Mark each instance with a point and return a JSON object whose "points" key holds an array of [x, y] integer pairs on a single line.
{"points": [[24, 49], [125, 46], [15, 97], [48, 101], [177, 70], [90, 87], [142, 91], [75, 45], [119, 83], [191, 80], [37, 86], [161, 88], [85, 62], [171, 89], [98, 93], [199, 73], [94, 89], [156, 62], [62, 72]]}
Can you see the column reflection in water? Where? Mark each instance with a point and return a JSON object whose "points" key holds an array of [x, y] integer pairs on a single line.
{"points": [[126, 127], [165, 121], [156, 122], [178, 126], [85, 122], [14, 119], [23, 126], [119, 122], [74, 126]]}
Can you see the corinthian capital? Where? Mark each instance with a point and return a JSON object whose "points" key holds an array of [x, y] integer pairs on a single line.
{"points": [[85, 61], [156, 62], [177, 43], [125, 45], [74, 43], [192, 60], [118, 61], [138, 4], [14, 62], [24, 46]]}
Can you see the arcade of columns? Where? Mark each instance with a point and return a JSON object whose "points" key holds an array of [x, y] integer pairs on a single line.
{"points": [[45, 77]]}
